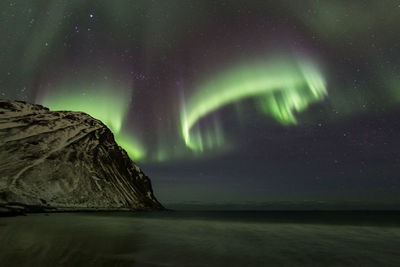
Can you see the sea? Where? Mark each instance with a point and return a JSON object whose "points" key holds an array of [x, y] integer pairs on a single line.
{"points": [[202, 238]]}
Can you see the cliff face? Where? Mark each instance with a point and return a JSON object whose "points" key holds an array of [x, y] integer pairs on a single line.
{"points": [[65, 161]]}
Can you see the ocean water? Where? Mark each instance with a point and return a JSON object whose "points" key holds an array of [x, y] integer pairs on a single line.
{"points": [[223, 238]]}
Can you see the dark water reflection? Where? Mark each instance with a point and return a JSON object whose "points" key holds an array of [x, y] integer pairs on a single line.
{"points": [[201, 239], [68, 240]]}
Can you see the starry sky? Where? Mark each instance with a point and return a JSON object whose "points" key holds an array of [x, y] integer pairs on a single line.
{"points": [[244, 103]]}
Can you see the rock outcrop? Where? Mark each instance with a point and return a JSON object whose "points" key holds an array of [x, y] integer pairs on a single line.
{"points": [[65, 161]]}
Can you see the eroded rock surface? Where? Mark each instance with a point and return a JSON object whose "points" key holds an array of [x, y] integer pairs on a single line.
{"points": [[62, 160]]}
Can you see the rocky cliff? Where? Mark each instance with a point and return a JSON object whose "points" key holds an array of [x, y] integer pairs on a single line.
{"points": [[57, 161]]}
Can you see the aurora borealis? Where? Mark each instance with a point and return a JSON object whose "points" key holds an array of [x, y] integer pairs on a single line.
{"points": [[227, 101], [114, 106], [281, 87]]}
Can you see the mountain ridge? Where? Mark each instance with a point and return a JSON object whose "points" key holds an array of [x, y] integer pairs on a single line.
{"points": [[65, 160]]}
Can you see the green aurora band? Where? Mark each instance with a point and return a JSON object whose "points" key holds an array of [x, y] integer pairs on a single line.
{"points": [[281, 87], [109, 106]]}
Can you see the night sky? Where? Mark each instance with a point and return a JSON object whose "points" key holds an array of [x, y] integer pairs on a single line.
{"points": [[225, 102]]}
